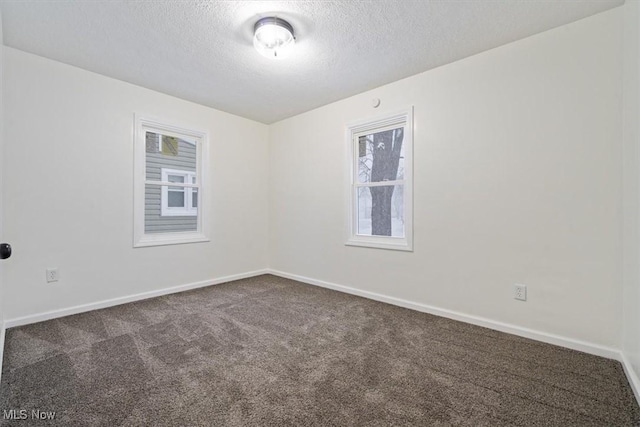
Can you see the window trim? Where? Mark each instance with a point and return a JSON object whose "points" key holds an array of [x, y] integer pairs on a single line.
{"points": [[191, 134], [187, 209], [354, 129]]}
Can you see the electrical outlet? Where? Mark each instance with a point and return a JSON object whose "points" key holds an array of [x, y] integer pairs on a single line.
{"points": [[520, 292], [52, 275]]}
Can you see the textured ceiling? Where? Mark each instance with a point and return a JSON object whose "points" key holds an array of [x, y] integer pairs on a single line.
{"points": [[202, 50]]}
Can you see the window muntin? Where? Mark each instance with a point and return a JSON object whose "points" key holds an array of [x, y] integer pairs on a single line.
{"points": [[380, 213], [169, 170]]}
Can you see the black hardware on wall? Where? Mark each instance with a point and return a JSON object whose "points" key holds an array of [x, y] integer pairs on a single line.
{"points": [[5, 250]]}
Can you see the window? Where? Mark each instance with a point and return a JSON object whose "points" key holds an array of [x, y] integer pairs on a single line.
{"points": [[178, 201], [168, 189], [380, 201]]}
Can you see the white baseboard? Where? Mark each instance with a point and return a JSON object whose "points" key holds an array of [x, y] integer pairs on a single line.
{"points": [[571, 343], [34, 318], [632, 375], [586, 347]]}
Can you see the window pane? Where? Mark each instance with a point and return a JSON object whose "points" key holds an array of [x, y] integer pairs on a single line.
{"points": [[381, 210], [168, 165], [381, 156], [175, 178], [175, 199], [168, 152], [186, 219], [169, 145], [152, 142]]}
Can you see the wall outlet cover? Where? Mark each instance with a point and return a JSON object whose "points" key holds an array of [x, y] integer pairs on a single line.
{"points": [[52, 275]]}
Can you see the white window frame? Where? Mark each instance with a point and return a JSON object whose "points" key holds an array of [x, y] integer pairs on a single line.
{"points": [[201, 140], [187, 209], [355, 129]]}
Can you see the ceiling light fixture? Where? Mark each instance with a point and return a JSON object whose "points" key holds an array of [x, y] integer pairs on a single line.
{"points": [[273, 37]]}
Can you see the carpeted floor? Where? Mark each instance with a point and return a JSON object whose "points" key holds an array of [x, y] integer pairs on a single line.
{"points": [[268, 351]]}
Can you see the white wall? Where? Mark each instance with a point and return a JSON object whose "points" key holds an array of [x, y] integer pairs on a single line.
{"points": [[69, 189], [517, 180], [2, 299], [631, 199]]}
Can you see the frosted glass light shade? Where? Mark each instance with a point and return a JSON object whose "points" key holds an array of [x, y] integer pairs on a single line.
{"points": [[273, 37]]}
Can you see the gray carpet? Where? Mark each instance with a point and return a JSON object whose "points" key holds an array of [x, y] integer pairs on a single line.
{"points": [[268, 351]]}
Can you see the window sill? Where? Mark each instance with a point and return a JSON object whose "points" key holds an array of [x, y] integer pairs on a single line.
{"points": [[396, 244], [162, 239], [180, 213]]}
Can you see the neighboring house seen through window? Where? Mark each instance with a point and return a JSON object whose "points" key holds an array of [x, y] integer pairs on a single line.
{"points": [[179, 201], [169, 172]]}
